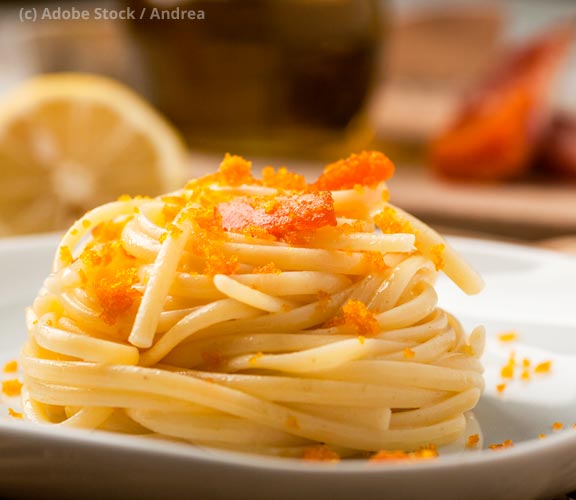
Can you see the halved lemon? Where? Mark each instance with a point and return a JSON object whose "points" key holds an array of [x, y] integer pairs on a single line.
{"points": [[70, 142]]}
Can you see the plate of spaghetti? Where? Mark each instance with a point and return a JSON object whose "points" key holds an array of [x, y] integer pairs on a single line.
{"points": [[265, 336]]}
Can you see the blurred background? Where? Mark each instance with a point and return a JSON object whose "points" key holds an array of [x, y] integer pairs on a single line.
{"points": [[433, 84]]}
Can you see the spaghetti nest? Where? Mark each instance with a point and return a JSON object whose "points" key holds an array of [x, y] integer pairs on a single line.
{"points": [[267, 315]]}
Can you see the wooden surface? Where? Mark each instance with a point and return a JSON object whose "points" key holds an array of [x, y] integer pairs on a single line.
{"points": [[526, 210]]}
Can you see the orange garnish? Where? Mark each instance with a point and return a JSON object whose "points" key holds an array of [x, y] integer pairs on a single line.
{"points": [[11, 366], [557, 426], [357, 315], [424, 453], [507, 371], [111, 275], [269, 268], [283, 179], [14, 414], [282, 217], [498, 446], [508, 337], [389, 222], [472, 440], [11, 387], [367, 168], [234, 171], [320, 454], [437, 256], [543, 367]]}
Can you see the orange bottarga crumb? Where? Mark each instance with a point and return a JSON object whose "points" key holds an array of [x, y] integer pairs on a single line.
{"points": [[498, 446], [11, 387], [66, 256], [543, 367], [86, 223], [526, 363], [437, 255], [367, 168], [283, 179], [356, 226], [409, 353], [508, 336], [109, 230], [218, 263], [525, 374], [11, 366], [14, 414], [507, 371], [424, 453], [116, 294], [269, 268], [320, 454], [357, 315], [501, 388], [254, 359], [472, 440], [361, 339], [292, 422], [557, 426], [111, 275], [173, 205], [375, 261], [389, 222], [542, 436], [124, 197], [234, 171], [283, 216]]}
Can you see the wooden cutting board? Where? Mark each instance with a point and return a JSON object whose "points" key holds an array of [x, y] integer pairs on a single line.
{"points": [[526, 210]]}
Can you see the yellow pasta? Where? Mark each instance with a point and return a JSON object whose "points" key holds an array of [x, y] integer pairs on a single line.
{"points": [[265, 315]]}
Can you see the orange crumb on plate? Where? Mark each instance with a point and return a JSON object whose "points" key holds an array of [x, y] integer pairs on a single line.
{"points": [[11, 366], [498, 446], [472, 440], [526, 363], [14, 414], [424, 453], [543, 367], [12, 387], [507, 371], [557, 426], [320, 454], [508, 336]]}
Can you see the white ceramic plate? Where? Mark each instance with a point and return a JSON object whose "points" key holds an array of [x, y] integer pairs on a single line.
{"points": [[530, 291]]}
